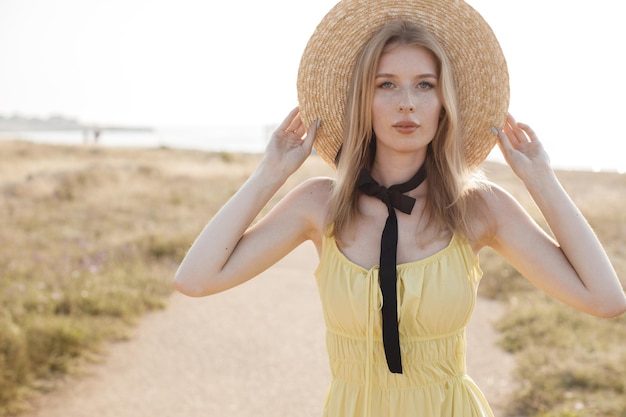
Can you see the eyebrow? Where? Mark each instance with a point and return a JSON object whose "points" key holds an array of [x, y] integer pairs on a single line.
{"points": [[427, 75]]}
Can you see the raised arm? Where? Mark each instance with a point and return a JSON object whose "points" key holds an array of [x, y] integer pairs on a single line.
{"points": [[229, 251], [572, 267]]}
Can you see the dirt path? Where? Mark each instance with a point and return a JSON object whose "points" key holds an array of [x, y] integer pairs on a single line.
{"points": [[257, 350]]}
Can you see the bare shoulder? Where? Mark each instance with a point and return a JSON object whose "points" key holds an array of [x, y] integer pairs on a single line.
{"points": [[314, 191], [493, 196], [318, 187], [490, 207], [311, 198]]}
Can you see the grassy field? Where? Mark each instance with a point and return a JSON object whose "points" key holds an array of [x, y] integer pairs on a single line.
{"points": [[91, 238]]}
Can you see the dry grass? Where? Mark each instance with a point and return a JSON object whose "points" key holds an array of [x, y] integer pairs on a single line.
{"points": [[90, 241], [569, 364], [91, 238]]}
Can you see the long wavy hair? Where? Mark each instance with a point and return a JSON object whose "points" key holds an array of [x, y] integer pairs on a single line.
{"points": [[448, 172]]}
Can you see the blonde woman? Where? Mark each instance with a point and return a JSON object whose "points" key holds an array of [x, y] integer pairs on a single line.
{"points": [[406, 118]]}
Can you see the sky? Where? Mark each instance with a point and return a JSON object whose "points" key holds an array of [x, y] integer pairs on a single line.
{"points": [[203, 63]]}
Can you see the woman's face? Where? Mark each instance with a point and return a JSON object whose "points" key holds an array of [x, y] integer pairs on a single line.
{"points": [[406, 107]]}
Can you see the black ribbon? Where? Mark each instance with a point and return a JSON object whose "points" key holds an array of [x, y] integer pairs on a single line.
{"points": [[394, 198]]}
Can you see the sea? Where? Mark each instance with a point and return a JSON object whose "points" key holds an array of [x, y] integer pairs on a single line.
{"points": [[249, 139]]}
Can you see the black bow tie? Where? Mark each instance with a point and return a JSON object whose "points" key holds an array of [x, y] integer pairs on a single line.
{"points": [[394, 198]]}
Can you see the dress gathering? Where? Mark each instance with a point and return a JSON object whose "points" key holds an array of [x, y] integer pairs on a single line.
{"points": [[436, 299]]}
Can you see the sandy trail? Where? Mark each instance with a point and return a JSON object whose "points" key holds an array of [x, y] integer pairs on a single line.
{"points": [[257, 350]]}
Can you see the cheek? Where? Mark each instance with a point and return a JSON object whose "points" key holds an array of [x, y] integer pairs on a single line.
{"points": [[379, 107], [433, 107]]}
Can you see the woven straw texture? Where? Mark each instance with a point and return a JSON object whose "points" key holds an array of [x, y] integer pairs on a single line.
{"points": [[479, 67]]}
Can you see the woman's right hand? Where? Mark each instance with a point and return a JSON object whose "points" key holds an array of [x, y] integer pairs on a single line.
{"points": [[289, 146]]}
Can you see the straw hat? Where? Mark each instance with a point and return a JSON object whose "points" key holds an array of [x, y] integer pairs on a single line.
{"points": [[478, 65]]}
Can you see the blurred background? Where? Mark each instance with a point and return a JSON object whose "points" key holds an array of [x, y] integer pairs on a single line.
{"points": [[221, 75]]}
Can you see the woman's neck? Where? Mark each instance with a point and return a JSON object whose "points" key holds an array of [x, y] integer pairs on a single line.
{"points": [[389, 171]]}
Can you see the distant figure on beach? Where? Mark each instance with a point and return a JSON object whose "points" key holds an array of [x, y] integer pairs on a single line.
{"points": [[89, 133], [96, 135], [405, 98]]}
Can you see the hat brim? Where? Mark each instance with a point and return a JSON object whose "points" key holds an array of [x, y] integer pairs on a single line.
{"points": [[478, 66]]}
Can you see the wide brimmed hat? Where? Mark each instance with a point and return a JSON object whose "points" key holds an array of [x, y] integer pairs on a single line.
{"points": [[478, 65]]}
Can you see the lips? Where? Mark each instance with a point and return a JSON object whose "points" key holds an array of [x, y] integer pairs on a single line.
{"points": [[406, 127]]}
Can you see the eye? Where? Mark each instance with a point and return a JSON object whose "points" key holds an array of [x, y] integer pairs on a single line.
{"points": [[385, 85], [425, 85]]}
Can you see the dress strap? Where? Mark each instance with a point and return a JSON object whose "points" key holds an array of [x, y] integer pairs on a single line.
{"points": [[374, 305]]}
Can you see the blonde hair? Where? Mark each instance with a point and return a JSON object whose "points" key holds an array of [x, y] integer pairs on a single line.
{"points": [[448, 173]]}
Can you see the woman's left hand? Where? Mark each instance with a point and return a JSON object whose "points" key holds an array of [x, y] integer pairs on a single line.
{"points": [[571, 264], [522, 150]]}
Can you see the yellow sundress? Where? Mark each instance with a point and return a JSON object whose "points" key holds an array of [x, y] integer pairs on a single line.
{"points": [[436, 297]]}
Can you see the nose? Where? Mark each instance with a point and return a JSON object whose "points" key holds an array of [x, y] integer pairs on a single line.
{"points": [[405, 104]]}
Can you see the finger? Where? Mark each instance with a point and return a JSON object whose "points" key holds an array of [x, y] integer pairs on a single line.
{"points": [[289, 119], [503, 141], [310, 135], [518, 132], [296, 126], [510, 119], [509, 130], [532, 136]]}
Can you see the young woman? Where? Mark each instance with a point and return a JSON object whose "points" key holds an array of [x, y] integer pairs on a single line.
{"points": [[399, 230]]}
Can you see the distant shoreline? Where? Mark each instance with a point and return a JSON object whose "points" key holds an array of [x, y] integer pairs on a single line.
{"points": [[249, 141], [17, 123], [39, 128], [244, 139]]}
